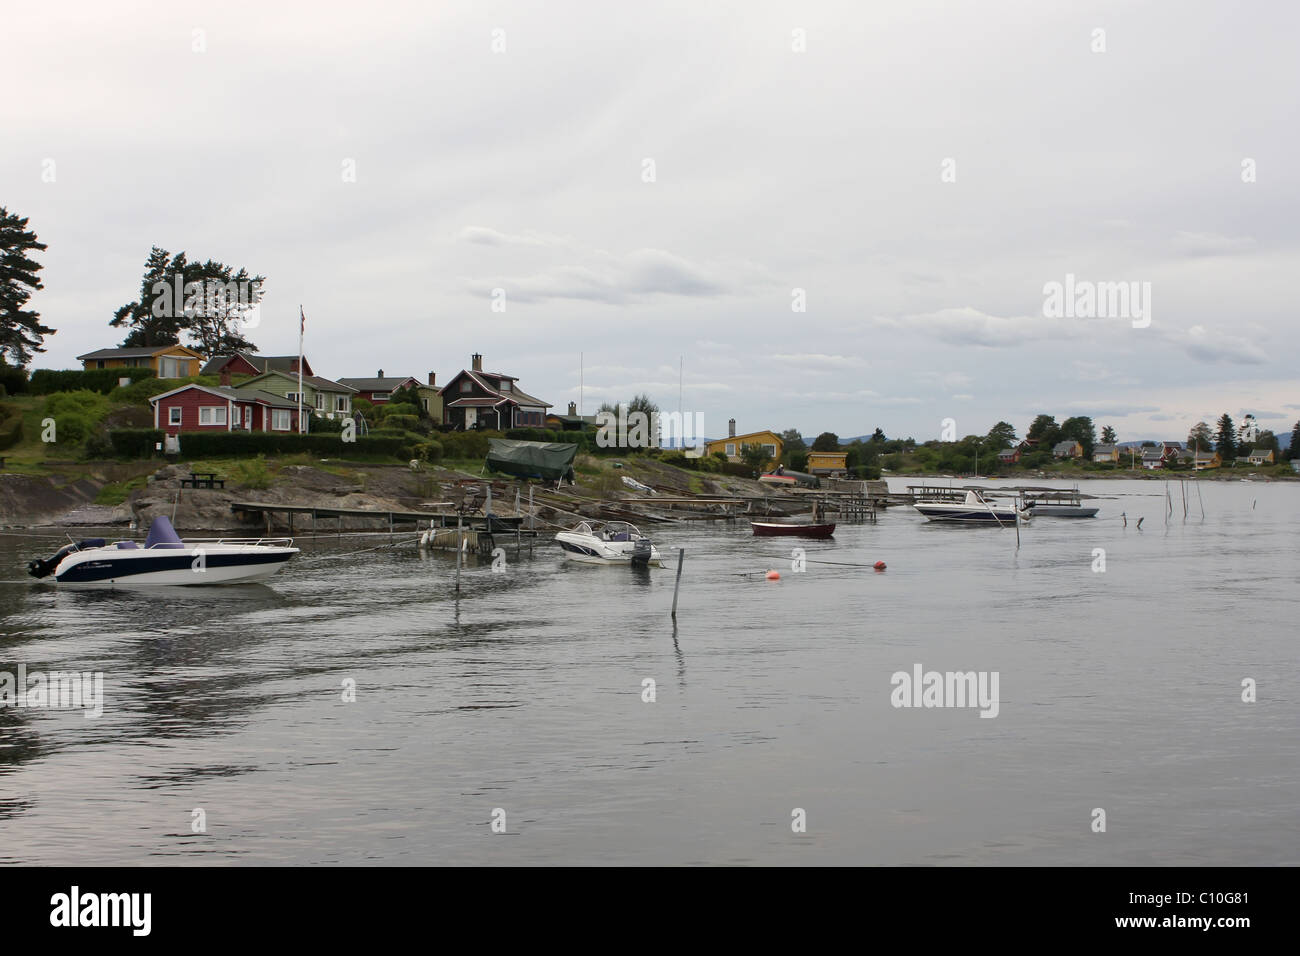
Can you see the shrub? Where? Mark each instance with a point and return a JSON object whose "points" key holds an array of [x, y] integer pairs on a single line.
{"points": [[71, 428], [251, 473], [400, 408], [11, 426], [402, 422], [91, 406], [139, 393], [326, 426], [135, 442], [102, 380], [472, 444], [430, 451]]}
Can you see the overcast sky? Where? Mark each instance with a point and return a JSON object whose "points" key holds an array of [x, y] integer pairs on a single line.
{"points": [[775, 169]]}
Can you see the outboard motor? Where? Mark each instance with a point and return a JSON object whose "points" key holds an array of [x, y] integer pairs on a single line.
{"points": [[641, 553], [43, 568]]}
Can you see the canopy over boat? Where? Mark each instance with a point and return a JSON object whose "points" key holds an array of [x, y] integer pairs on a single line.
{"points": [[531, 459]]}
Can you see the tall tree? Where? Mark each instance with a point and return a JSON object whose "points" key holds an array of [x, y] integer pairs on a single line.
{"points": [[1225, 439], [1082, 430], [1293, 450], [207, 301], [826, 441], [1002, 435], [216, 319], [792, 444], [1044, 430], [21, 333], [1267, 441], [1200, 437], [878, 435], [1108, 436]]}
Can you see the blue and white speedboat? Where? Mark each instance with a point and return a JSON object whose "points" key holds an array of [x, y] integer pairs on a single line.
{"points": [[165, 559]]}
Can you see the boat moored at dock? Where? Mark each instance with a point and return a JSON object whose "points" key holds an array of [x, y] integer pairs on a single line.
{"points": [[612, 542], [973, 509]]}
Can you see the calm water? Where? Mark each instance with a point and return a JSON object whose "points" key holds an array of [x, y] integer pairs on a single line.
{"points": [[1119, 690]]}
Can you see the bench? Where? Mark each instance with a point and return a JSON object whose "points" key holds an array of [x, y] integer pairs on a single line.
{"points": [[203, 479]]}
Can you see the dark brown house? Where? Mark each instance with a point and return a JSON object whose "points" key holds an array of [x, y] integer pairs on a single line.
{"points": [[478, 399]]}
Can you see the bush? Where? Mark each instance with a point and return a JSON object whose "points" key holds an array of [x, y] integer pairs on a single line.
{"points": [[462, 445], [11, 426], [91, 406], [235, 444], [135, 442], [325, 426], [103, 380], [429, 451], [401, 422], [71, 428], [400, 408], [139, 393]]}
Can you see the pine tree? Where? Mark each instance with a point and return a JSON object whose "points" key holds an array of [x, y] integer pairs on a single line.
{"points": [[1225, 440], [21, 332], [1108, 436]]}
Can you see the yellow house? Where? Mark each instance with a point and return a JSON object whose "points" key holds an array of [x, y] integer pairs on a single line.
{"points": [[733, 443], [827, 462], [167, 361]]}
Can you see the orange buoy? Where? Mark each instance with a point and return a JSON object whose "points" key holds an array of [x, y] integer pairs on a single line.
{"points": [[774, 575], [879, 565]]}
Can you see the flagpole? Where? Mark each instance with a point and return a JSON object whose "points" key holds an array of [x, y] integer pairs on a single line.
{"points": [[302, 325]]}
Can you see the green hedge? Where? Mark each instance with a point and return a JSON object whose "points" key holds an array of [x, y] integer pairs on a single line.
{"points": [[135, 442], [11, 426], [471, 444], [234, 444], [13, 379], [102, 380]]}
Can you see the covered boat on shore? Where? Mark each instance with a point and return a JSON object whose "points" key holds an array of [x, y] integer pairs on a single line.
{"points": [[549, 461], [164, 559]]}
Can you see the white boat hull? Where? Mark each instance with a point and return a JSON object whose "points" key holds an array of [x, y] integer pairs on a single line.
{"points": [[189, 567]]}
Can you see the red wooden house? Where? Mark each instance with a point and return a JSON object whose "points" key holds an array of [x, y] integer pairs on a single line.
{"points": [[246, 363], [202, 408]]}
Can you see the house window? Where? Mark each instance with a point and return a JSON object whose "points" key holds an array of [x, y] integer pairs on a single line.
{"points": [[731, 450], [379, 396], [99, 363], [505, 385], [174, 415], [342, 403], [320, 401], [280, 420], [770, 450], [466, 386], [291, 396], [212, 415], [171, 367]]}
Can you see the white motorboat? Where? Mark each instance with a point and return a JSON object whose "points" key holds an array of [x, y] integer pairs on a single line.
{"points": [[613, 542], [164, 559], [973, 509]]}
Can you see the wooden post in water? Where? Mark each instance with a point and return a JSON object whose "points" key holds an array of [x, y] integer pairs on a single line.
{"points": [[459, 549], [681, 556]]}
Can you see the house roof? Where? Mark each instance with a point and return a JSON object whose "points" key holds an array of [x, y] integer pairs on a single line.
{"points": [[1153, 452], [271, 363], [477, 402], [315, 381], [1008, 453], [140, 352], [386, 384], [1064, 445], [739, 438], [245, 395], [1206, 455], [515, 395], [1104, 449]]}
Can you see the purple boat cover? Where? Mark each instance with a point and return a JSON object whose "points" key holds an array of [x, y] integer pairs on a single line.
{"points": [[162, 534]]}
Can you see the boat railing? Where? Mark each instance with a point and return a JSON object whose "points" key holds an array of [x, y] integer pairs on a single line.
{"points": [[265, 542]]}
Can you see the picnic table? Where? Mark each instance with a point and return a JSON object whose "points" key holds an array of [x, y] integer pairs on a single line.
{"points": [[203, 479]]}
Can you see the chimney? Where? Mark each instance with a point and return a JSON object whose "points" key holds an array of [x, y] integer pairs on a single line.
{"points": [[476, 362], [432, 379], [731, 428], [225, 377], [381, 373], [573, 409]]}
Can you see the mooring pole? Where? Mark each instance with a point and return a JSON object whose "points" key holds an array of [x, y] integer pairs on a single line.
{"points": [[458, 553], [681, 556]]}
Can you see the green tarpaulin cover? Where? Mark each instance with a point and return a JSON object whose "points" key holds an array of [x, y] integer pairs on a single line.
{"points": [[531, 459]]}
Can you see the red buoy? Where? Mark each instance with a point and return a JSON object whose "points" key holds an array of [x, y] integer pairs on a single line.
{"points": [[879, 565], [774, 575]]}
